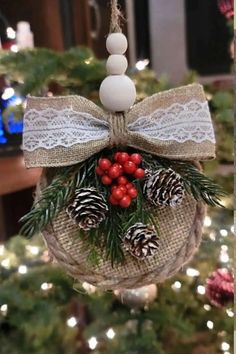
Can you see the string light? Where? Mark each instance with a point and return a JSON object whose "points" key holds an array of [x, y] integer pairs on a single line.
{"points": [[223, 232], [22, 269], [142, 64], [210, 324], [207, 307], [89, 288], [71, 322], [230, 313], [3, 309], [176, 286], [207, 221], [225, 346], [11, 34], [191, 272], [92, 342], [110, 333], [224, 248], [46, 286], [8, 93], [201, 289], [33, 249], [232, 229], [5, 263], [2, 250], [224, 257], [14, 48]]}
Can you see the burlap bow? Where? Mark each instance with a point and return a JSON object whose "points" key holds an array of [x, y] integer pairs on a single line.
{"points": [[62, 131]]}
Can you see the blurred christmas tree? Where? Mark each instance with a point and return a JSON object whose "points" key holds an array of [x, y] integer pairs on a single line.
{"points": [[42, 311]]}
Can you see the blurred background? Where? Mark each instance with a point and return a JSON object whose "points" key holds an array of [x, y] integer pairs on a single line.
{"points": [[57, 47]]}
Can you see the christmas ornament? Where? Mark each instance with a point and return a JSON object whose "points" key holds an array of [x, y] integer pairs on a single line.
{"points": [[137, 298], [141, 241], [98, 177], [220, 287], [164, 188], [88, 208]]}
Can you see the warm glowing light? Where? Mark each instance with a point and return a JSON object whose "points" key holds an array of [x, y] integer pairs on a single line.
{"points": [[191, 272], [8, 93], [46, 286], [5, 263], [224, 232], [71, 322], [224, 257], [207, 221], [110, 333], [176, 286], [201, 289], [232, 229], [14, 48], [141, 64], [3, 309], [210, 324], [92, 342], [89, 288], [230, 313], [22, 269], [207, 307], [225, 346], [11, 34], [224, 248], [33, 249]]}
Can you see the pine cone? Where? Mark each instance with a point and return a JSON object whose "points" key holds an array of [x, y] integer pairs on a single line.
{"points": [[220, 287], [88, 209], [141, 241], [164, 188]]}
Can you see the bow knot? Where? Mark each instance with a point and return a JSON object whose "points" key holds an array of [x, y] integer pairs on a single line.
{"points": [[118, 129]]}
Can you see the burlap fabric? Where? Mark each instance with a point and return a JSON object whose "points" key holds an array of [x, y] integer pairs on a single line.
{"points": [[180, 228], [119, 133]]}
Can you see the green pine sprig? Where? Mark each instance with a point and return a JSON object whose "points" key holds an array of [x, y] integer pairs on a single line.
{"points": [[201, 187], [49, 205]]}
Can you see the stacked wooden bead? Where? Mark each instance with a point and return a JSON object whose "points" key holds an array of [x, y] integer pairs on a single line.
{"points": [[117, 91]]}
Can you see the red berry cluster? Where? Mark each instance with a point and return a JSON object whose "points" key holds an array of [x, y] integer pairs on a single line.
{"points": [[123, 191]]}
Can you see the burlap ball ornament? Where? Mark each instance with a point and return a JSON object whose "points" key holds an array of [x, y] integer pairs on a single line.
{"points": [[68, 136]]}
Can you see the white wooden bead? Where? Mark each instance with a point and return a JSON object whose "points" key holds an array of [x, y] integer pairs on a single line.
{"points": [[116, 64], [117, 93], [116, 43]]}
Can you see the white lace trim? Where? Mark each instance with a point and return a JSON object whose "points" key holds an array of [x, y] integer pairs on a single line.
{"points": [[50, 127], [179, 122]]}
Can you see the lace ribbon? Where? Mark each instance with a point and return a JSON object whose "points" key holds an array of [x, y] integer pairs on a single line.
{"points": [[49, 128]]}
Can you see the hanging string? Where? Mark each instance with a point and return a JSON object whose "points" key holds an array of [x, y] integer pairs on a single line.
{"points": [[116, 17]]}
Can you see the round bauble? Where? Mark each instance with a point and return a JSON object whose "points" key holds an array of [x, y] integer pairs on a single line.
{"points": [[116, 64], [137, 298], [116, 43], [117, 93]]}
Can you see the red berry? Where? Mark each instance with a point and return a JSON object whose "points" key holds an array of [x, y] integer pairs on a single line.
{"points": [[129, 167], [132, 192], [122, 180], [106, 180], [136, 158], [117, 194], [116, 156], [113, 201], [125, 201], [113, 188], [123, 157], [99, 171], [105, 164], [123, 188], [118, 165], [114, 172], [130, 185], [139, 173]]}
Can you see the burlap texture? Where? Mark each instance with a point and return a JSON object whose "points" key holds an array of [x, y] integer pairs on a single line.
{"points": [[180, 236], [119, 134]]}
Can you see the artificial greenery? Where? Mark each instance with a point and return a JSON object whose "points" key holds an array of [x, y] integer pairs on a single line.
{"points": [[108, 236]]}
